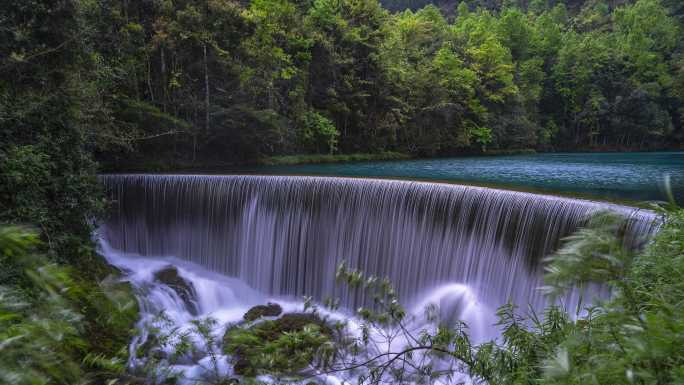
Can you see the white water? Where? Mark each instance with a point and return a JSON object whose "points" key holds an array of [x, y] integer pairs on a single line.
{"points": [[467, 250], [227, 299]]}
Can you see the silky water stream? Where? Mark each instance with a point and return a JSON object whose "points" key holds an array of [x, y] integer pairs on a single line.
{"points": [[240, 241]]}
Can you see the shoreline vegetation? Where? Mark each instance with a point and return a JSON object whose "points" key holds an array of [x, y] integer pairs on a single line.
{"points": [[231, 83], [284, 160], [175, 165], [299, 159]]}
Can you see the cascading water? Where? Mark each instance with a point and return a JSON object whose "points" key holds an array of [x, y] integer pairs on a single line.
{"points": [[466, 249], [286, 235]]}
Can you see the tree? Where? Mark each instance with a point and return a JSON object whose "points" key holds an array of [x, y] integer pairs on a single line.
{"points": [[48, 176], [346, 78], [319, 133]]}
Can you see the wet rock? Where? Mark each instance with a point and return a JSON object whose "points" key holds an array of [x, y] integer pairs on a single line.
{"points": [[268, 310], [185, 290], [295, 322], [248, 345]]}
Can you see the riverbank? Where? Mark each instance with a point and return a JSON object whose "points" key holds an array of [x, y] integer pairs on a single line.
{"points": [[175, 165], [120, 165], [285, 160], [291, 160]]}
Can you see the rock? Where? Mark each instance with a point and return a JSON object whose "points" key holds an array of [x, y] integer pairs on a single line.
{"points": [[294, 322], [249, 344], [268, 310], [185, 290]]}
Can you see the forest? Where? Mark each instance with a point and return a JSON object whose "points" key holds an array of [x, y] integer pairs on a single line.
{"points": [[217, 82], [96, 86]]}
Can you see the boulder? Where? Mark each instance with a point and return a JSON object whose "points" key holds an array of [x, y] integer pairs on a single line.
{"points": [[249, 344], [183, 288], [268, 310], [294, 322]]}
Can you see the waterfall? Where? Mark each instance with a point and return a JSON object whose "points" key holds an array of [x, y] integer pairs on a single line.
{"points": [[285, 235]]}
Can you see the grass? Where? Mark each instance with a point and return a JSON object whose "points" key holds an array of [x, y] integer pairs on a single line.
{"points": [[284, 160], [327, 158], [507, 152], [176, 165]]}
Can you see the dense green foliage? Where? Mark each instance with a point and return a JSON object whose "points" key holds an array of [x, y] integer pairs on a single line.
{"points": [[283, 346], [47, 109], [55, 326], [216, 81], [636, 337], [61, 321], [323, 76]]}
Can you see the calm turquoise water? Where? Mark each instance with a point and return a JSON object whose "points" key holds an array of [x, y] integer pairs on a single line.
{"points": [[633, 176]]}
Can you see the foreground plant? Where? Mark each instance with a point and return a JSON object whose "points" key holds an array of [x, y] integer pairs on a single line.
{"points": [[45, 325]]}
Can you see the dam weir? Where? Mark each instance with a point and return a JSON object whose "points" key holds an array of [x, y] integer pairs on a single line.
{"points": [[285, 235]]}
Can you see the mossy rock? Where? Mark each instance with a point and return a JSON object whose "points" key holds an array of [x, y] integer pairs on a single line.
{"points": [[268, 310], [282, 346], [294, 322], [185, 290]]}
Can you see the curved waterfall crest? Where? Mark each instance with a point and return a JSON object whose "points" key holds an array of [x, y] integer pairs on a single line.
{"points": [[285, 235]]}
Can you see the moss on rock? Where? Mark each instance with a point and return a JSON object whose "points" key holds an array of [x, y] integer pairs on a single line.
{"points": [[268, 310], [282, 346]]}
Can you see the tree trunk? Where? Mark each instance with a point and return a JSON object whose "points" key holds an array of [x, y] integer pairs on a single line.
{"points": [[149, 78], [163, 71], [194, 133], [206, 90]]}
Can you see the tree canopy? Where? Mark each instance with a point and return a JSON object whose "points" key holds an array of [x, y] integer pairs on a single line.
{"points": [[213, 81]]}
